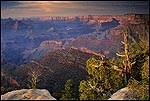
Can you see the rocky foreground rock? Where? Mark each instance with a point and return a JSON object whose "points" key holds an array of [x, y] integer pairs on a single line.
{"points": [[122, 94], [28, 94]]}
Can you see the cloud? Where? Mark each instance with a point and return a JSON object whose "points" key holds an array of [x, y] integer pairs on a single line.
{"points": [[64, 8], [9, 4], [42, 8]]}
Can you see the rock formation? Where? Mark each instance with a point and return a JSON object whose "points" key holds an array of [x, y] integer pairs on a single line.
{"points": [[28, 94], [122, 94]]}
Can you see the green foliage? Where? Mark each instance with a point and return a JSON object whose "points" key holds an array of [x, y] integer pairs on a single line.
{"points": [[135, 58], [145, 70], [139, 90], [102, 81], [69, 91], [139, 51], [138, 47]]}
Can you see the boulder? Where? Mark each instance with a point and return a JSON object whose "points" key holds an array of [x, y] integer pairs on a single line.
{"points": [[28, 94], [122, 94]]}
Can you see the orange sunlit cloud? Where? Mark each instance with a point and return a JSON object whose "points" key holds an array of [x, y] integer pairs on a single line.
{"points": [[40, 8]]}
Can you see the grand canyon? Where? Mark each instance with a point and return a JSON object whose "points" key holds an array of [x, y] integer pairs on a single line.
{"points": [[63, 44], [89, 52], [31, 38]]}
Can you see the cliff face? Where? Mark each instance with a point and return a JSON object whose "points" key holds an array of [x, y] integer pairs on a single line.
{"points": [[25, 36], [64, 43], [28, 94], [58, 67]]}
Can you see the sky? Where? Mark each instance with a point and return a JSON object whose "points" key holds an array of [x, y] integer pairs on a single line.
{"points": [[17, 9]]}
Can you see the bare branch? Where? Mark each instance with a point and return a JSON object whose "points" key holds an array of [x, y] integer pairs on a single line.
{"points": [[120, 55]]}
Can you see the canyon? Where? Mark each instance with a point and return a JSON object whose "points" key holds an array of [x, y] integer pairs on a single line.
{"points": [[30, 38], [61, 45]]}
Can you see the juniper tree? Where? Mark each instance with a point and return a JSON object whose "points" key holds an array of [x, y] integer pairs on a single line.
{"points": [[134, 62]]}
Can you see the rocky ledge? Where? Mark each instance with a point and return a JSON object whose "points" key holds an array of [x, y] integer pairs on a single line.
{"points": [[28, 94]]}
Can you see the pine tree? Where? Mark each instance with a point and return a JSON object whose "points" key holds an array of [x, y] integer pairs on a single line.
{"points": [[70, 93]]}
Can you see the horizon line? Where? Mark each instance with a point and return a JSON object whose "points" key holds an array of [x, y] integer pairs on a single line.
{"points": [[74, 15]]}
